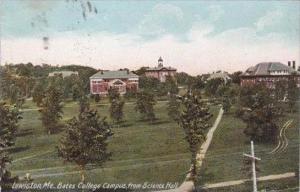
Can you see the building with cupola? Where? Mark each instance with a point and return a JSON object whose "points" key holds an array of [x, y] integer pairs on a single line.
{"points": [[160, 72]]}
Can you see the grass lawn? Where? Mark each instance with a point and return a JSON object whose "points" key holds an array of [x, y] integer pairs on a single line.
{"points": [[225, 154], [140, 151]]}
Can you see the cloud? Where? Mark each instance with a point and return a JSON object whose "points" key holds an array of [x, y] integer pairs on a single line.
{"points": [[231, 50], [201, 52], [271, 18], [162, 18], [215, 12]]}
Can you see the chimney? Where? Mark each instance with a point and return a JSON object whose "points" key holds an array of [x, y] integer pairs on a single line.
{"points": [[289, 63], [294, 65]]}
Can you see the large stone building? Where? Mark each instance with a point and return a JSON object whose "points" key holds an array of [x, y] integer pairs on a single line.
{"points": [[123, 80], [160, 72], [269, 73]]}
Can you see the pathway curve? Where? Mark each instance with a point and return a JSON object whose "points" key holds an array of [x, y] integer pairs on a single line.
{"points": [[282, 139]]}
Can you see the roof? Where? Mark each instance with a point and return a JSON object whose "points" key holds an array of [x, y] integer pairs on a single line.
{"points": [[160, 59], [114, 75], [63, 73], [161, 68], [265, 68], [219, 75]]}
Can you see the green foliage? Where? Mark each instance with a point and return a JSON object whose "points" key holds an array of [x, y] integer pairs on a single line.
{"points": [[97, 98], [141, 71], [51, 110], [197, 83], [261, 114], [280, 89], [212, 86], [86, 140], [293, 93], [173, 107], [113, 94], [228, 92], [149, 83], [116, 110], [235, 77], [226, 104], [84, 104], [194, 121], [171, 85], [13, 94], [130, 93], [8, 128], [38, 93], [116, 105], [144, 105], [183, 78]]}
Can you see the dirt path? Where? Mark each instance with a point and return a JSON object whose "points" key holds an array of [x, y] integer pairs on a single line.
{"points": [[187, 185], [282, 139], [241, 181]]}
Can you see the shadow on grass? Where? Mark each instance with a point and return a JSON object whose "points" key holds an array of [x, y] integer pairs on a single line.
{"points": [[17, 149], [24, 132], [160, 122]]}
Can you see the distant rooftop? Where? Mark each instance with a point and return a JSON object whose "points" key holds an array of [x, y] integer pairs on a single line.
{"points": [[114, 75], [63, 73], [160, 68], [265, 68], [219, 75]]}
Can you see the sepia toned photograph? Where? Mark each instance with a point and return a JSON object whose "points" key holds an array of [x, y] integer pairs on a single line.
{"points": [[149, 95]]}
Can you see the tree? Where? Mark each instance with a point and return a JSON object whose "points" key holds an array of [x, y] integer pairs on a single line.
{"points": [[144, 105], [194, 121], [261, 115], [86, 141], [171, 85], [280, 89], [173, 108], [116, 105], [38, 93], [292, 93], [141, 71], [226, 104], [148, 83], [97, 98], [51, 110], [14, 94], [212, 86], [113, 94], [197, 83], [8, 127], [116, 110], [236, 77], [183, 78], [84, 104]]}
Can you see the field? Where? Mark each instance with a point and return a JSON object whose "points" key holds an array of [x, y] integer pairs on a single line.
{"points": [[140, 151], [223, 161]]}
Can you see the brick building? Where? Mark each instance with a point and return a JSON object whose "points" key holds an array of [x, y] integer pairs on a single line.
{"points": [[160, 72], [269, 73], [123, 80]]}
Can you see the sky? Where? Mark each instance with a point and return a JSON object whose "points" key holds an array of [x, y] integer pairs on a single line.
{"points": [[193, 36]]}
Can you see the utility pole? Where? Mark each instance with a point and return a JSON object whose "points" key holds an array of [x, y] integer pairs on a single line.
{"points": [[253, 158]]}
